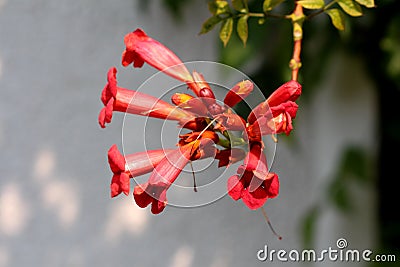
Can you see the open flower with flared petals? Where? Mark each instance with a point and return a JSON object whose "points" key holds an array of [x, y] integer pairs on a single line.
{"points": [[278, 120], [141, 48], [154, 191], [254, 184], [116, 98], [275, 114], [132, 165]]}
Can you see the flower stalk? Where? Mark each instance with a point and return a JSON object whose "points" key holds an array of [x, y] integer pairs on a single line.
{"points": [[297, 21]]}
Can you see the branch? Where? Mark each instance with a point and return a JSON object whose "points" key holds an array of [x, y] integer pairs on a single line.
{"points": [[297, 21]]}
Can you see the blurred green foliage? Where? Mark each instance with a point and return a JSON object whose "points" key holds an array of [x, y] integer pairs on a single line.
{"points": [[308, 226], [354, 166], [391, 46]]}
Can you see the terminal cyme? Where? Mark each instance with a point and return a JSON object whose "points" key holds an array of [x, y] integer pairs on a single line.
{"points": [[208, 123]]}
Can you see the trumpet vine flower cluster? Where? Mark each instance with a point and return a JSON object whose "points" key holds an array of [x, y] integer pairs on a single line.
{"points": [[208, 124]]}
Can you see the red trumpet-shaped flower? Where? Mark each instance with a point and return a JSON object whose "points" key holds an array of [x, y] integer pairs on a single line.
{"points": [[254, 184], [276, 113], [208, 125], [154, 191], [131, 165], [141, 48], [120, 99]]}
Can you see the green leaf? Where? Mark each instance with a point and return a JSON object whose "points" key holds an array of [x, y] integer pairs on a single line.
{"points": [[243, 29], [270, 4], [209, 24], [367, 3], [354, 164], [226, 30], [350, 7], [312, 4], [218, 7], [337, 18], [309, 223], [240, 5]]}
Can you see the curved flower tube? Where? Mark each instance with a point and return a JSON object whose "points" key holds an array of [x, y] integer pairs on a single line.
{"points": [[120, 99], [141, 48], [154, 191], [132, 165]]}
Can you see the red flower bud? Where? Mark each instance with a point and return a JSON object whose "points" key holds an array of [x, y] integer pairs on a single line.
{"points": [[239, 92]]}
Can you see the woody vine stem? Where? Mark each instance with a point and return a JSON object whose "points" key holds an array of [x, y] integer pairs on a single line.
{"points": [[297, 20]]}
